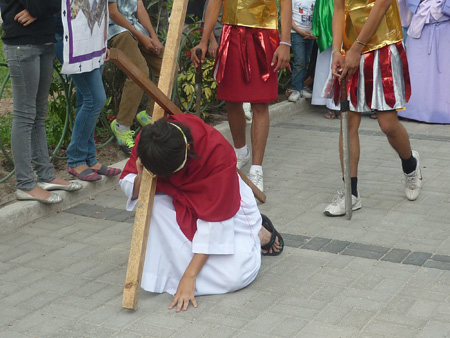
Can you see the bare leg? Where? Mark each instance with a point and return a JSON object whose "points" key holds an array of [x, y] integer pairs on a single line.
{"points": [[354, 120], [396, 134], [237, 122], [259, 131]]}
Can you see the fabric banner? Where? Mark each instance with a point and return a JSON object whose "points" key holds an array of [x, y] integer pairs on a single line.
{"points": [[85, 25]]}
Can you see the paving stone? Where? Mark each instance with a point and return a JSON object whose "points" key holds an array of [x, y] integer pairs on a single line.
{"points": [[435, 329], [288, 327], [390, 329], [264, 323], [123, 216], [437, 265], [84, 209], [368, 247], [362, 253], [194, 330], [441, 258], [80, 329], [144, 329], [335, 246], [294, 241], [417, 258], [396, 255], [316, 243]]}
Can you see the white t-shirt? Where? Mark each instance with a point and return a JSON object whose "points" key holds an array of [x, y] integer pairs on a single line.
{"points": [[302, 14]]}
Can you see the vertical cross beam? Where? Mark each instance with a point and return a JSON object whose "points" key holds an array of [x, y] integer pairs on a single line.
{"points": [[148, 184]]}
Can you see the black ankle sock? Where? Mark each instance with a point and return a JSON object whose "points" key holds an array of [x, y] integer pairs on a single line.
{"points": [[409, 165], [354, 183]]}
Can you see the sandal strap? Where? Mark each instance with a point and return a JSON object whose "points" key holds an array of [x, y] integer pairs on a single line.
{"points": [[267, 224]]}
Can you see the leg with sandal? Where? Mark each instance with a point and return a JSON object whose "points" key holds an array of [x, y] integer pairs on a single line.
{"points": [[81, 152]]}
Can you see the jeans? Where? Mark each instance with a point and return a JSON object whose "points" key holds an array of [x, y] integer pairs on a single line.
{"points": [[91, 99], [31, 68], [302, 49]]}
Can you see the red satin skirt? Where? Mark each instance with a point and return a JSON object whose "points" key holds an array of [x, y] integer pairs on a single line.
{"points": [[243, 65]]}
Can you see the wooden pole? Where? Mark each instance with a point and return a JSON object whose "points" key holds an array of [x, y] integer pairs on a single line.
{"points": [[345, 107], [148, 184]]}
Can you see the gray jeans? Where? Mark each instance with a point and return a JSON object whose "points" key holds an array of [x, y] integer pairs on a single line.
{"points": [[31, 68]]}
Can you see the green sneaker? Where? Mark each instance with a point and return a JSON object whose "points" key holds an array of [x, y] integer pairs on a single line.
{"points": [[124, 139], [143, 118]]}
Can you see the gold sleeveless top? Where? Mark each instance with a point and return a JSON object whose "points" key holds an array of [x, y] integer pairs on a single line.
{"points": [[388, 32], [250, 13]]}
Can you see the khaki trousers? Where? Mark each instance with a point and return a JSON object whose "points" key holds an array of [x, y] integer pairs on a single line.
{"points": [[132, 93]]}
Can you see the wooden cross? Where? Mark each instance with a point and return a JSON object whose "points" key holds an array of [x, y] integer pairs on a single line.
{"points": [[163, 104]]}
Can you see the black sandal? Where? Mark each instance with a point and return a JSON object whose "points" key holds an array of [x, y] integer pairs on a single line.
{"points": [[267, 224]]}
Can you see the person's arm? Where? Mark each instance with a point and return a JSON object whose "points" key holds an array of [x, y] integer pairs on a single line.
{"points": [[186, 287], [338, 35], [352, 58], [24, 18], [213, 45], [119, 19], [282, 54], [39, 9], [212, 13], [302, 32], [145, 21]]}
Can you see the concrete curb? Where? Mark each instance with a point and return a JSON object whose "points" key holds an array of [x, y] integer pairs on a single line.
{"points": [[17, 213]]}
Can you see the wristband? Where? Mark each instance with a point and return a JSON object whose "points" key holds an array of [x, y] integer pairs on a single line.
{"points": [[335, 50], [361, 43], [285, 43]]}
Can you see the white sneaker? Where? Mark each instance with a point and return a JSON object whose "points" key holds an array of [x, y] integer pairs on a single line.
{"points": [[294, 97], [242, 161], [256, 176], [337, 206], [306, 93], [248, 110], [413, 181]]}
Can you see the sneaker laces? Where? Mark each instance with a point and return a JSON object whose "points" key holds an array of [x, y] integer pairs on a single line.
{"points": [[128, 138], [411, 180], [338, 198], [256, 177]]}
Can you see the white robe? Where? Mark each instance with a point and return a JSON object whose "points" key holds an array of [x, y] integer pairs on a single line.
{"points": [[233, 245]]}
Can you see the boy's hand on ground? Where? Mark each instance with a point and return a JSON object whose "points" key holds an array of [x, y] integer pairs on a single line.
{"points": [[24, 18], [184, 294], [281, 57]]}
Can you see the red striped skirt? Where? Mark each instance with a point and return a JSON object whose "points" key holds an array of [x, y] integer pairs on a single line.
{"points": [[381, 83]]}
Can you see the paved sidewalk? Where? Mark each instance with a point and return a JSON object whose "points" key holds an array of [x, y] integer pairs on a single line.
{"points": [[385, 273]]}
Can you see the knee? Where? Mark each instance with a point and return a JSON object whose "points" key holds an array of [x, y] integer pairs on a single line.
{"points": [[388, 129], [94, 103], [100, 100]]}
